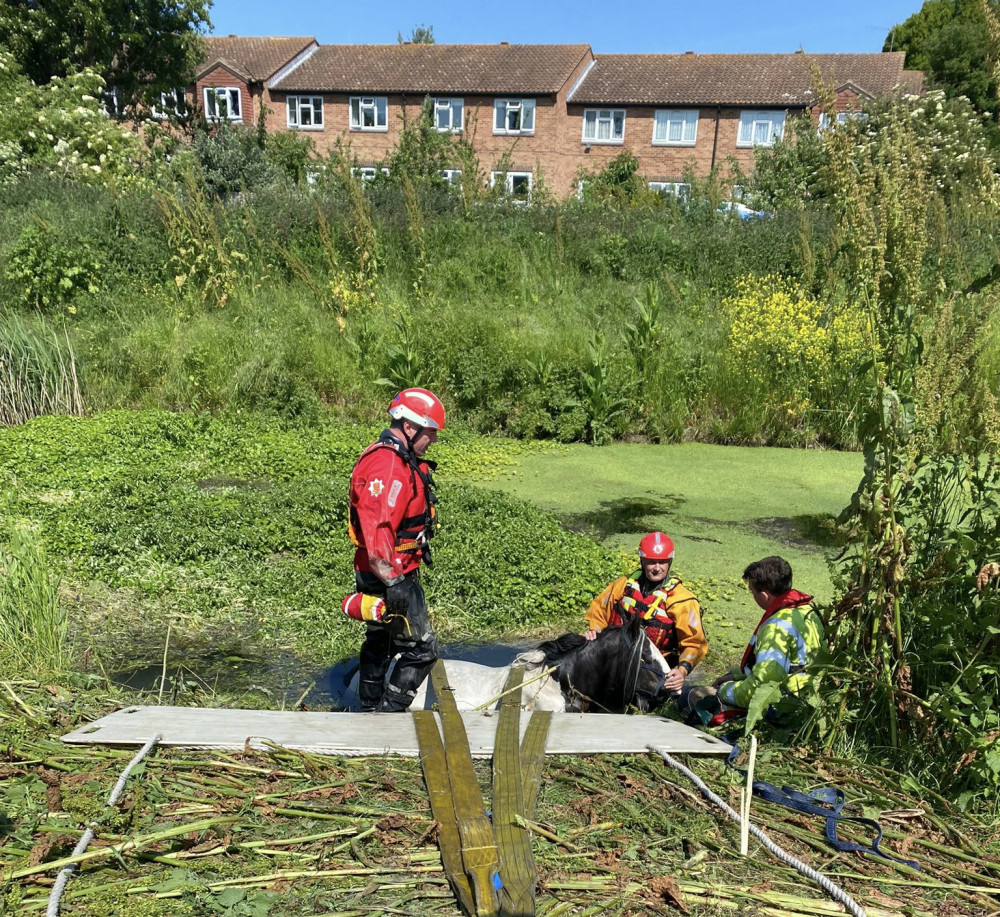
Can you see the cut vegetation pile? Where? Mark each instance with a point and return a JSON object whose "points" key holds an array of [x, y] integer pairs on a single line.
{"points": [[252, 833]]}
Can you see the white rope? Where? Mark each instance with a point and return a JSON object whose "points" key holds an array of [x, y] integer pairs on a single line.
{"points": [[60, 884], [834, 891]]}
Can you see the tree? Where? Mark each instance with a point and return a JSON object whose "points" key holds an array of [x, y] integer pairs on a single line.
{"points": [[953, 43], [421, 35], [140, 47]]}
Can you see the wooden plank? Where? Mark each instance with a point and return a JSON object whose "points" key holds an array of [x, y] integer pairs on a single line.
{"points": [[354, 734]]}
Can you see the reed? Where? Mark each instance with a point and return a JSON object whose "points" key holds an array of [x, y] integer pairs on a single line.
{"points": [[33, 622], [38, 372]]}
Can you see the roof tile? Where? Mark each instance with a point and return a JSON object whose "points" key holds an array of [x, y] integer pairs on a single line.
{"points": [[257, 58], [473, 69], [737, 79]]}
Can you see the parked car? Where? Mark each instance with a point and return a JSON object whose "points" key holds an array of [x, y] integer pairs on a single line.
{"points": [[743, 211]]}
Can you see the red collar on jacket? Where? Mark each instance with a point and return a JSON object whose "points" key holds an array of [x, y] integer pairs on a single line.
{"points": [[786, 600]]}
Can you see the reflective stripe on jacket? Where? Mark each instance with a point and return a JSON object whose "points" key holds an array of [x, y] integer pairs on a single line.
{"points": [[391, 509], [670, 613], [788, 638]]}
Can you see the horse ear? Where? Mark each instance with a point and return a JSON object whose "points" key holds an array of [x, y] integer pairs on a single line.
{"points": [[634, 627]]}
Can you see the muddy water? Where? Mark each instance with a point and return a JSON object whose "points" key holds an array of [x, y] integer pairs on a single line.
{"points": [[283, 680]]}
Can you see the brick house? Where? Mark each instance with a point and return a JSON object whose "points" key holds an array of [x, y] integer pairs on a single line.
{"points": [[548, 110], [234, 81], [676, 110]]}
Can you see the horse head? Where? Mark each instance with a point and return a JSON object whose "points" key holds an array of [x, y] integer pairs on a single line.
{"points": [[646, 668], [620, 669]]}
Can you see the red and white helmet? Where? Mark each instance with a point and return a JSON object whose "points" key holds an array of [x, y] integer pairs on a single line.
{"points": [[418, 406], [656, 546]]}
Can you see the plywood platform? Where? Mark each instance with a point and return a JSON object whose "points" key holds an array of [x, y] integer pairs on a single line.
{"points": [[353, 734]]}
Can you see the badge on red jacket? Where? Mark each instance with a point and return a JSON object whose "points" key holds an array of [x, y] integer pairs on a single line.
{"points": [[376, 487]]}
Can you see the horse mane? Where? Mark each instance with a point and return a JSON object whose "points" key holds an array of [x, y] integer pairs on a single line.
{"points": [[554, 650]]}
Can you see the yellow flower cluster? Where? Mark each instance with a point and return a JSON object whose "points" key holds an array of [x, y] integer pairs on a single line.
{"points": [[351, 290], [786, 343]]}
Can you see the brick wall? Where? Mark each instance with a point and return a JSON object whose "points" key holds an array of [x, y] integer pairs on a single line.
{"points": [[221, 77], [555, 152]]}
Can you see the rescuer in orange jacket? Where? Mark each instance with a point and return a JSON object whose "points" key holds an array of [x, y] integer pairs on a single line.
{"points": [[391, 522], [670, 612]]}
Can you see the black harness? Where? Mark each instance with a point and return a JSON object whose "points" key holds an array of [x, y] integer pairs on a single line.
{"points": [[414, 531]]}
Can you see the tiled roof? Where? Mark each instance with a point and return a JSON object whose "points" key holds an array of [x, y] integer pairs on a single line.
{"points": [[473, 69], [256, 58], [737, 79]]}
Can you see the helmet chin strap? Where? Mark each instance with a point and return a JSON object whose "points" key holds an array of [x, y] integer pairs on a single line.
{"points": [[407, 439]]}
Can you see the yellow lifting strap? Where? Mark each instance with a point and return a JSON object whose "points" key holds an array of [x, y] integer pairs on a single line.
{"points": [[479, 849], [512, 783]]}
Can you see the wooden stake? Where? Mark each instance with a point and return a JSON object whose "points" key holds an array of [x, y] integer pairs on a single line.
{"points": [[746, 794]]}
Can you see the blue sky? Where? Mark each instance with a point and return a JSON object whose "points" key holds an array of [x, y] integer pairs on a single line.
{"points": [[639, 26]]}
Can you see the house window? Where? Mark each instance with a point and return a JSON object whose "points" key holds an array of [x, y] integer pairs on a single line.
{"points": [[516, 185], [452, 176], [367, 173], [448, 114], [305, 112], [675, 127], [680, 190], [369, 113], [111, 103], [222, 103], [514, 116], [842, 118], [604, 125], [169, 105], [760, 128]]}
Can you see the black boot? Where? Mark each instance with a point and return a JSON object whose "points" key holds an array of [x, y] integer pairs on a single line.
{"points": [[395, 700], [370, 690]]}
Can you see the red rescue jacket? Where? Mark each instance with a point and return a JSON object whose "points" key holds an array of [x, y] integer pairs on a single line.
{"points": [[391, 509]]}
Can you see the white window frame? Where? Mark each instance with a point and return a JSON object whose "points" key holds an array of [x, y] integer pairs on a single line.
{"points": [[452, 112], [367, 173], [613, 119], [679, 189], [452, 176], [110, 103], [510, 179], [506, 110], [759, 127], [376, 106], [212, 95], [842, 118], [311, 106], [682, 121], [172, 104]]}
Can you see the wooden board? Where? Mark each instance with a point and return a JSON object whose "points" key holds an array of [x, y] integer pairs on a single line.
{"points": [[354, 734]]}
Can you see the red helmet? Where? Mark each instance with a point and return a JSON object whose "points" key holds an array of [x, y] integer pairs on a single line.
{"points": [[419, 406], [656, 546]]}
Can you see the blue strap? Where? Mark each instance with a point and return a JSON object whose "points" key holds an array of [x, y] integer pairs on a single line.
{"points": [[825, 801]]}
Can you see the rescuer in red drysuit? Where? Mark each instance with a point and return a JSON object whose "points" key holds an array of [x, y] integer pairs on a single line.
{"points": [[392, 519]]}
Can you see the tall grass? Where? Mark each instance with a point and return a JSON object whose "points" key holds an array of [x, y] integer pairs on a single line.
{"points": [[288, 298], [33, 622], [38, 372]]}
